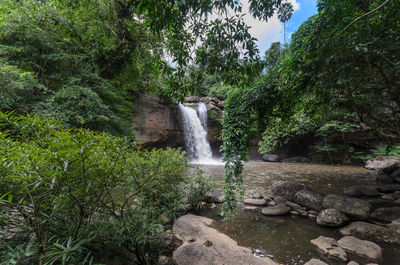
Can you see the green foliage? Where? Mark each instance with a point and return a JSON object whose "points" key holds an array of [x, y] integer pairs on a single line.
{"points": [[198, 188], [385, 150], [80, 191], [221, 92]]}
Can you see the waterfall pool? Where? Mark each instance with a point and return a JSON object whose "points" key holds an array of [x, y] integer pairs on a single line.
{"points": [[287, 238]]}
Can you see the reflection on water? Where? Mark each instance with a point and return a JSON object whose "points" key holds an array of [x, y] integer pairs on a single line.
{"points": [[288, 238]]}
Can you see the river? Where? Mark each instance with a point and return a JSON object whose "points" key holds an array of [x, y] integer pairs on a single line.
{"points": [[287, 238]]}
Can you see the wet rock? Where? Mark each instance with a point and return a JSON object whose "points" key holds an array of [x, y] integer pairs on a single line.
{"points": [[271, 158], [379, 203], [294, 213], [294, 206], [310, 199], [315, 262], [387, 164], [391, 196], [395, 225], [330, 247], [332, 218], [303, 213], [312, 216], [389, 188], [312, 212], [372, 232], [286, 189], [251, 208], [362, 191], [271, 203], [214, 196], [386, 214], [203, 245], [354, 208], [276, 210], [280, 200], [362, 248], [255, 202]]}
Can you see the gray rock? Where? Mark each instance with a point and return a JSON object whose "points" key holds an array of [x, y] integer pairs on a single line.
{"points": [[280, 200], [379, 203], [276, 210], [330, 247], [294, 213], [354, 208], [362, 248], [388, 164], [315, 262], [310, 199], [271, 158], [214, 196], [286, 189], [389, 188], [312, 216], [396, 221], [203, 245], [251, 208], [294, 206], [257, 196], [372, 232], [352, 263], [362, 191], [255, 202], [332, 218], [391, 196], [271, 203], [303, 213], [312, 212], [386, 214], [192, 99]]}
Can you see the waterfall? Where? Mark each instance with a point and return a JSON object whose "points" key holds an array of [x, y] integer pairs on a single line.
{"points": [[195, 133], [202, 109]]}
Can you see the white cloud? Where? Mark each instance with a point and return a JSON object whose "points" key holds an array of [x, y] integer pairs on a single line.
{"points": [[265, 32]]}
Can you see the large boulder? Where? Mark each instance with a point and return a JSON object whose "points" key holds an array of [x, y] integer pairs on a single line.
{"points": [[286, 189], [331, 218], [362, 248], [372, 232], [279, 209], [310, 199], [329, 247], [379, 203], [362, 191], [386, 214], [204, 245], [387, 164], [271, 158], [354, 208]]}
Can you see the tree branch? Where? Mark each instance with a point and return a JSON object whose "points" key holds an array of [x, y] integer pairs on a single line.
{"points": [[364, 15]]}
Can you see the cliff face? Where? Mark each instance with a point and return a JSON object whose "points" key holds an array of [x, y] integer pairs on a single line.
{"points": [[157, 123]]}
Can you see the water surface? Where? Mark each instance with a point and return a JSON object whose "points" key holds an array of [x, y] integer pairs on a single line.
{"points": [[287, 238]]}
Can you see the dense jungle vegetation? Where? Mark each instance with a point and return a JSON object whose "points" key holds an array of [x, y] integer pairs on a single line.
{"points": [[73, 69]]}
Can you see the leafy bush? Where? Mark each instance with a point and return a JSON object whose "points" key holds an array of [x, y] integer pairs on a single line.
{"points": [[68, 193], [198, 188]]}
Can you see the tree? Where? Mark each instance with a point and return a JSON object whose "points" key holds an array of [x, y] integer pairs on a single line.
{"points": [[272, 55], [285, 12]]}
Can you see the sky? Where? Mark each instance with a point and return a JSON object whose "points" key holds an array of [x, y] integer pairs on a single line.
{"points": [[272, 31]]}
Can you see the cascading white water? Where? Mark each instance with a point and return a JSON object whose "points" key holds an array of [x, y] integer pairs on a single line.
{"points": [[197, 146], [202, 109]]}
